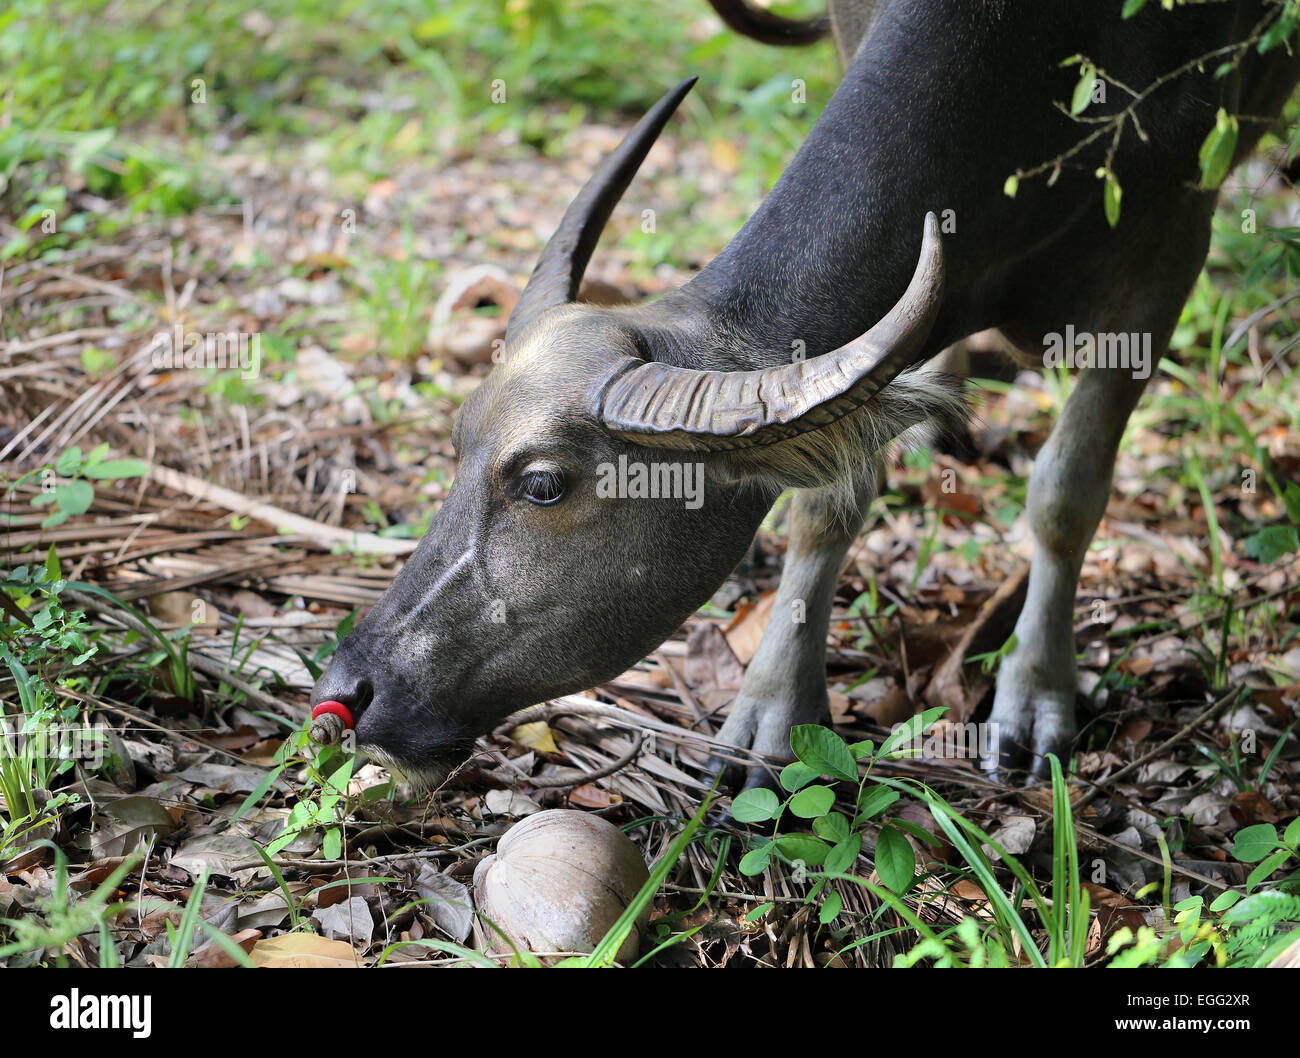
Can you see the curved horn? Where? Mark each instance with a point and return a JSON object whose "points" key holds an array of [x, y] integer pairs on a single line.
{"points": [[762, 25], [558, 272], [672, 407]]}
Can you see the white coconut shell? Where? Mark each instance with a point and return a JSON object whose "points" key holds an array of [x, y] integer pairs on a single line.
{"points": [[558, 881]]}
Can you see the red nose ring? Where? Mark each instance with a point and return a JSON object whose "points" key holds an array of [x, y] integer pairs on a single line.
{"points": [[328, 722], [337, 708]]}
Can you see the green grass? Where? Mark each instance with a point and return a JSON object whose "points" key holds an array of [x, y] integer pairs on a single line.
{"points": [[126, 99]]}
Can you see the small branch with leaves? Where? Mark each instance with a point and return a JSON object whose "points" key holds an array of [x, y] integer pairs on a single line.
{"points": [[1274, 29]]}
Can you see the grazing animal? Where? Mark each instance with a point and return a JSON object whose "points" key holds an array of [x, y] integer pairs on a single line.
{"points": [[557, 560]]}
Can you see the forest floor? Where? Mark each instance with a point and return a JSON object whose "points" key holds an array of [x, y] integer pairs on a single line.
{"points": [[278, 499]]}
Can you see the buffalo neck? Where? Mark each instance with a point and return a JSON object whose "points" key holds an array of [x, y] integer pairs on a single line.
{"points": [[832, 247]]}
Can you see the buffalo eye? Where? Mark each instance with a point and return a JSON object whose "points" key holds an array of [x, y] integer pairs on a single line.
{"points": [[542, 487]]}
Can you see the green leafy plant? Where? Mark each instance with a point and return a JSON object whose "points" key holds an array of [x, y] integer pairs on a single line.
{"points": [[831, 852], [1236, 928], [1275, 30], [397, 292], [27, 770], [174, 653], [1263, 846], [41, 643], [1234, 764], [65, 918], [322, 800], [1246, 927], [990, 661], [76, 492], [836, 840]]}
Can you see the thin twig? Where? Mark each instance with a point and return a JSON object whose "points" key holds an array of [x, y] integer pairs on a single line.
{"points": [[685, 693], [325, 535], [1128, 769], [609, 769]]}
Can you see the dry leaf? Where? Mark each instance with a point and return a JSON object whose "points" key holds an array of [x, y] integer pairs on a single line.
{"points": [[348, 919], [262, 910], [1136, 729], [447, 902], [746, 629], [126, 823], [227, 778], [711, 664], [304, 950], [217, 852], [1015, 835], [1251, 806], [536, 735], [510, 803], [893, 707], [1137, 666], [589, 796], [214, 956]]}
